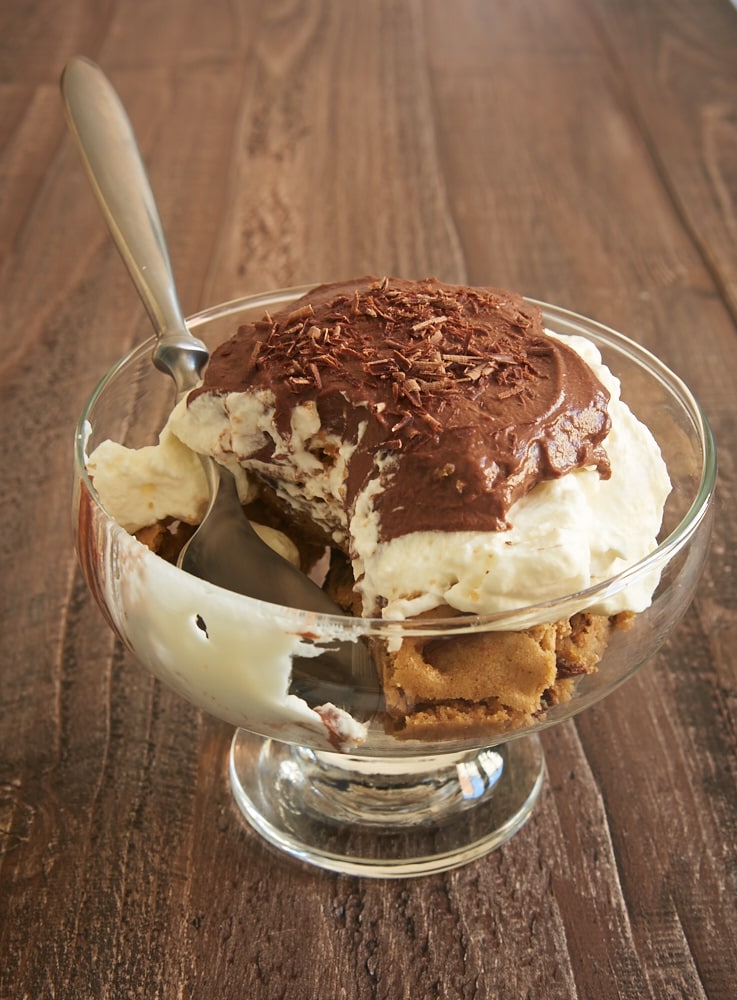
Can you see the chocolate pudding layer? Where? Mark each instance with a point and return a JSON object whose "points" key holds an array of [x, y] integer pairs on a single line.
{"points": [[456, 393]]}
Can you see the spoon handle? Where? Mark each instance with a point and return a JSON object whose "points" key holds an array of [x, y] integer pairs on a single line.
{"points": [[112, 159]]}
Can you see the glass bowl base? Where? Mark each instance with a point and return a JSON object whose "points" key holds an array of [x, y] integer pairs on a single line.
{"points": [[385, 817]]}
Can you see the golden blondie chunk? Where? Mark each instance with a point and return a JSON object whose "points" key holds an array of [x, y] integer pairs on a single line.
{"points": [[489, 681]]}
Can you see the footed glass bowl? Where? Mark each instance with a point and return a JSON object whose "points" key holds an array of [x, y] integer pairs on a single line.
{"points": [[341, 787]]}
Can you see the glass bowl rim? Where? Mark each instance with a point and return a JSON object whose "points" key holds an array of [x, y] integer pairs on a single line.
{"points": [[666, 549]]}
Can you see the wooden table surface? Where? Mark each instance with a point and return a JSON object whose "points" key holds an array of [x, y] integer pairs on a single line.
{"points": [[583, 152]]}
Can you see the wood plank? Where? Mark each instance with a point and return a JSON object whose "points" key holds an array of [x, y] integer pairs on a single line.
{"points": [[678, 61]]}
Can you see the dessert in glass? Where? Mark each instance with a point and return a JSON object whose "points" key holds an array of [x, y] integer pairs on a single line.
{"points": [[509, 504]]}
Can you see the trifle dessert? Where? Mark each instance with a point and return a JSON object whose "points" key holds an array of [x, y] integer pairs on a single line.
{"points": [[425, 451]]}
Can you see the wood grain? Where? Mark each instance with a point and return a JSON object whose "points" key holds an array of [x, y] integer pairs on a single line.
{"points": [[581, 151]]}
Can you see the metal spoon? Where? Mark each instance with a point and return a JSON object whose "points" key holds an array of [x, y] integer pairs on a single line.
{"points": [[225, 550]]}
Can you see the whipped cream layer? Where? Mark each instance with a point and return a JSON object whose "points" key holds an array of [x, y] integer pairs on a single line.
{"points": [[549, 534], [566, 535], [141, 486]]}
